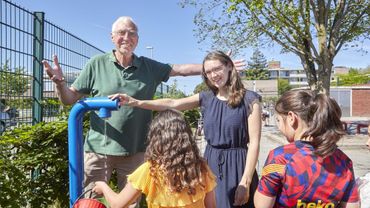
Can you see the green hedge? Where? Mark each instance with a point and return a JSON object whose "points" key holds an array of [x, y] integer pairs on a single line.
{"points": [[39, 157], [34, 165]]}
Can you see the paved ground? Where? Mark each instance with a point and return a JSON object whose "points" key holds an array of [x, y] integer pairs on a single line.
{"points": [[353, 145]]}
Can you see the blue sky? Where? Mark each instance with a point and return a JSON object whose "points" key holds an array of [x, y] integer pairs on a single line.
{"points": [[163, 24]]}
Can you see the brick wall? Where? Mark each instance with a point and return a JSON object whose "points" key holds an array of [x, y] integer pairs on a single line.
{"points": [[361, 102]]}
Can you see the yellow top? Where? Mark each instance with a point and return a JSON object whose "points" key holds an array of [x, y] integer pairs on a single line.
{"points": [[159, 195]]}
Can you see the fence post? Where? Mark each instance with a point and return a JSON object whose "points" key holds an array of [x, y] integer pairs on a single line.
{"points": [[38, 56]]}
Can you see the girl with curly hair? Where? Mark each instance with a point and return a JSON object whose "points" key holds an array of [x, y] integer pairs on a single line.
{"points": [[174, 174]]}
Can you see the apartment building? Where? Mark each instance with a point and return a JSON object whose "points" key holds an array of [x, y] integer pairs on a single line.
{"points": [[296, 77]]}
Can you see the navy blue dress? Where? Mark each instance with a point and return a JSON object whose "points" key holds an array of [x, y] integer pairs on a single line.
{"points": [[226, 132]]}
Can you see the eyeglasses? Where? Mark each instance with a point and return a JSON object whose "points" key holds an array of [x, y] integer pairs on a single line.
{"points": [[130, 33], [216, 70]]}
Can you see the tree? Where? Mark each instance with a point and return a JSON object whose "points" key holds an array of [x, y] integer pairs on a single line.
{"points": [[367, 70], [354, 77], [257, 67], [12, 82], [283, 86], [191, 115], [173, 92], [200, 87], [314, 30]]}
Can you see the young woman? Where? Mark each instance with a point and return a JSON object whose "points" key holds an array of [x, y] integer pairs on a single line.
{"points": [[310, 171], [232, 128], [174, 174]]}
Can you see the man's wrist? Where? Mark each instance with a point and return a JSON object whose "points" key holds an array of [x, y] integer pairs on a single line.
{"points": [[60, 82]]}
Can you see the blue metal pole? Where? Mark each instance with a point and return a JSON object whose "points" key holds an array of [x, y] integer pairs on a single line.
{"points": [[75, 139]]}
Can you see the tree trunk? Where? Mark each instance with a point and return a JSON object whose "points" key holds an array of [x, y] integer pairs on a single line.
{"points": [[318, 80], [324, 74], [310, 70]]}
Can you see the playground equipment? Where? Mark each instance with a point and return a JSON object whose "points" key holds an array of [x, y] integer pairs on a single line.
{"points": [[87, 202], [75, 139]]}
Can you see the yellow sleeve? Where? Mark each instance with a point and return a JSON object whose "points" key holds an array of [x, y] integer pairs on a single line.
{"points": [[140, 178], [210, 180]]}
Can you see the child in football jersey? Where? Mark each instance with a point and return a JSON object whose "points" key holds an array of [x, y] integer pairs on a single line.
{"points": [[310, 171], [174, 174]]}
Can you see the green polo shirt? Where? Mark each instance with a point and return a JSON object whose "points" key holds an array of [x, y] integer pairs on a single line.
{"points": [[125, 132]]}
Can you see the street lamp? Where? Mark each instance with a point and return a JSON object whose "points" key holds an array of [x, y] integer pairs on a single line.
{"points": [[151, 48]]}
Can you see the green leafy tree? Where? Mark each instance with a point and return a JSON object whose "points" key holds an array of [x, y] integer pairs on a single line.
{"points": [[313, 30], [367, 70], [13, 82], [191, 115], [257, 67], [283, 86], [354, 77], [173, 92], [200, 87]]}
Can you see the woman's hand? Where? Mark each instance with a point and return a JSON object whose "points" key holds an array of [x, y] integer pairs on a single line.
{"points": [[241, 195], [124, 99]]}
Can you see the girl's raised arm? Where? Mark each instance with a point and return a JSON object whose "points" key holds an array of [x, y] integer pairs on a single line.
{"points": [[159, 104]]}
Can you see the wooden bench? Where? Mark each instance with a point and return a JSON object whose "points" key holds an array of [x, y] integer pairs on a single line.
{"points": [[358, 124]]}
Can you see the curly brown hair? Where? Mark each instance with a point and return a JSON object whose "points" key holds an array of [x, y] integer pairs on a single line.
{"points": [[234, 83], [173, 153]]}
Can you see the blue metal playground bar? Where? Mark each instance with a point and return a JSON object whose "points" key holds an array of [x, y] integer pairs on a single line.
{"points": [[75, 139]]}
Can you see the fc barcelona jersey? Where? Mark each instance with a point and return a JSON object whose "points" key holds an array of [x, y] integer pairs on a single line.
{"points": [[299, 178]]}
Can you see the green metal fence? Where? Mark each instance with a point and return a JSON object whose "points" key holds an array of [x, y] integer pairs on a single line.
{"points": [[26, 38]]}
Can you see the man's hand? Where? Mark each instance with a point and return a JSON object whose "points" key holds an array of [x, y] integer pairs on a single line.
{"points": [[55, 73], [239, 64]]}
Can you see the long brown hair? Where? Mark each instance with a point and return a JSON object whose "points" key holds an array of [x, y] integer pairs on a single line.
{"points": [[321, 114], [172, 151], [235, 86]]}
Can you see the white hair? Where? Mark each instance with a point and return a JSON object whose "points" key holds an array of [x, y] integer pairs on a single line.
{"points": [[124, 19]]}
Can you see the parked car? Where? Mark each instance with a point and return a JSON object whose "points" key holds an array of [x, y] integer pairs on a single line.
{"points": [[8, 118]]}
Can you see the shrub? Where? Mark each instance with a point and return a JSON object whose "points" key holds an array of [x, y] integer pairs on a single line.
{"points": [[34, 165]]}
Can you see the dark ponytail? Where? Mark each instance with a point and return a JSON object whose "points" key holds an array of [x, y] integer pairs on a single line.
{"points": [[321, 114]]}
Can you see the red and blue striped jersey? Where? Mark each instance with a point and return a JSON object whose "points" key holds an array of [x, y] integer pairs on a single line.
{"points": [[299, 178]]}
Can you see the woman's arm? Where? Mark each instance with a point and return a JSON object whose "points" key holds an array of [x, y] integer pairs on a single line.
{"points": [[159, 104], [210, 200], [254, 131], [126, 197]]}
